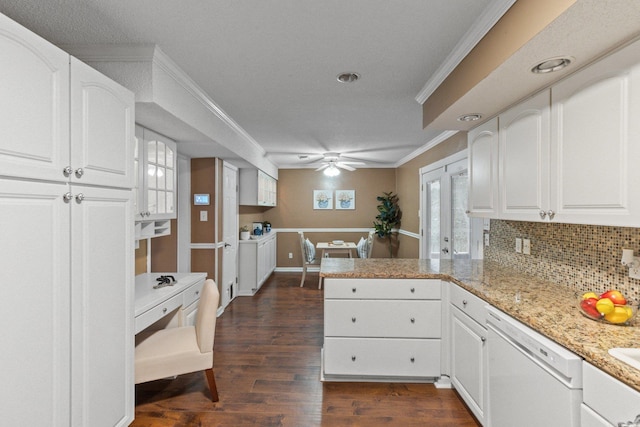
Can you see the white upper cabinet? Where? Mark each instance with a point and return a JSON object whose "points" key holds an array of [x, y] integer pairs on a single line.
{"points": [[483, 170], [595, 136], [524, 160], [257, 188], [102, 126], [156, 167], [35, 124]]}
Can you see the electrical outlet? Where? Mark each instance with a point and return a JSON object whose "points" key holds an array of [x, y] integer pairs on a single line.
{"points": [[486, 239], [518, 245], [290, 255], [634, 273], [526, 246], [204, 216]]}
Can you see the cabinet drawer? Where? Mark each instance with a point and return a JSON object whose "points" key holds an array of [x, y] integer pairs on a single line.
{"points": [[158, 312], [468, 303], [613, 400], [382, 357], [380, 318], [192, 294], [382, 288]]}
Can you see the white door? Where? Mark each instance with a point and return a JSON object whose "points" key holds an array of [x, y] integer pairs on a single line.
{"points": [[447, 230], [229, 233], [35, 306]]}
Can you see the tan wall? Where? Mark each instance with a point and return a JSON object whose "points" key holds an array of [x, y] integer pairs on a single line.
{"points": [[141, 258], [203, 181], [408, 189], [164, 251]]}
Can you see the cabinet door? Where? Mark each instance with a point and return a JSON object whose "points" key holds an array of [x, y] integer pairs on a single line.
{"points": [[34, 105], [468, 361], [139, 171], [102, 129], [595, 147], [524, 159], [483, 170], [160, 175], [102, 307], [34, 308]]}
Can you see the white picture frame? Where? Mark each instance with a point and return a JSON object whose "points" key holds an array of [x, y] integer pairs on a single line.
{"points": [[322, 199], [345, 199]]}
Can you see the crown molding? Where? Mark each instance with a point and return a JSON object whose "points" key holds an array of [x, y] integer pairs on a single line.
{"points": [[480, 28], [435, 141]]}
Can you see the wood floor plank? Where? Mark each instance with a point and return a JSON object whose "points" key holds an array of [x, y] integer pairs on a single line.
{"points": [[267, 368]]}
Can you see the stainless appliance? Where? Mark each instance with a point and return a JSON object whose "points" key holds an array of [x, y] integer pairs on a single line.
{"points": [[532, 380]]}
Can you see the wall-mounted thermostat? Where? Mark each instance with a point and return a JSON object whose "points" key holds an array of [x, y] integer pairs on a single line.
{"points": [[201, 199]]}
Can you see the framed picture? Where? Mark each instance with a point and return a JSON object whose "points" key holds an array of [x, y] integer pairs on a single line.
{"points": [[322, 199], [345, 199]]}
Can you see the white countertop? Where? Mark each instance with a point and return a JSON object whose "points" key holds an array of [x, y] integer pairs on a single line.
{"points": [[146, 297]]}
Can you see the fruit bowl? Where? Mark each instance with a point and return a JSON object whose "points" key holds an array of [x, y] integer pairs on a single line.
{"points": [[610, 307]]}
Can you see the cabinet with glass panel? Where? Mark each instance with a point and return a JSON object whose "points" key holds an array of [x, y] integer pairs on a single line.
{"points": [[155, 191]]}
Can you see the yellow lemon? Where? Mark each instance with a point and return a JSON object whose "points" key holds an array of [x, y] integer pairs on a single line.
{"points": [[589, 295], [604, 306], [619, 314]]}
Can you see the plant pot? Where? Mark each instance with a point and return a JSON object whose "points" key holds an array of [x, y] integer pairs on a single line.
{"points": [[245, 235]]}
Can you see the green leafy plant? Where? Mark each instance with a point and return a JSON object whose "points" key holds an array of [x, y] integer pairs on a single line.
{"points": [[389, 215], [244, 228]]}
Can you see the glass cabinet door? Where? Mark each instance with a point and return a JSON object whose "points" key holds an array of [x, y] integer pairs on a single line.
{"points": [[160, 176]]}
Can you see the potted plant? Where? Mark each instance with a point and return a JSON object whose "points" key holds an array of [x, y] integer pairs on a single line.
{"points": [[388, 217], [245, 234]]}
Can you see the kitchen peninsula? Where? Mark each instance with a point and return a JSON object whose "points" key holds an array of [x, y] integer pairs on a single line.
{"points": [[549, 308]]}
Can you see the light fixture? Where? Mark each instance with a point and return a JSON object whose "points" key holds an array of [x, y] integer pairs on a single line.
{"points": [[332, 170], [470, 117], [631, 261], [348, 77], [552, 64]]}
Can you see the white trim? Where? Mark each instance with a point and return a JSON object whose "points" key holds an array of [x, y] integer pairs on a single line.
{"points": [[456, 157], [206, 245], [409, 233], [310, 268], [491, 15], [323, 230], [429, 145]]}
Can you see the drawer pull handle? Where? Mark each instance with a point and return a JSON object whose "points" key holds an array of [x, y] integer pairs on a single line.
{"points": [[197, 292], [353, 358], [483, 339], [353, 290], [413, 290], [413, 320], [164, 310], [464, 302], [413, 360], [353, 319]]}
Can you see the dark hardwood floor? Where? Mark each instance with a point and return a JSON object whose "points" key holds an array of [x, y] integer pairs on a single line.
{"points": [[267, 368]]}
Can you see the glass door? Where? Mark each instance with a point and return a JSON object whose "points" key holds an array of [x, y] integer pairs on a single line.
{"points": [[447, 230]]}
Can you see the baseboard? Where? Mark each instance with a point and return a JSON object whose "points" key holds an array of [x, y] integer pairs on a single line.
{"points": [[313, 269]]}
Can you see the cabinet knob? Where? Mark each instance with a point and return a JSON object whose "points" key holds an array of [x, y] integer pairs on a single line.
{"points": [[353, 358], [483, 339], [197, 292], [164, 310], [353, 290], [353, 320], [413, 290], [79, 172], [67, 197], [413, 320], [79, 197], [67, 171], [413, 359], [464, 302], [543, 214], [551, 214]]}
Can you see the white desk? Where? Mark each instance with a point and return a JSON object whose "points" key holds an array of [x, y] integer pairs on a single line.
{"points": [[328, 248], [152, 305]]}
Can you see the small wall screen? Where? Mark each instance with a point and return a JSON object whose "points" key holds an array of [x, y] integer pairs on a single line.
{"points": [[200, 199]]}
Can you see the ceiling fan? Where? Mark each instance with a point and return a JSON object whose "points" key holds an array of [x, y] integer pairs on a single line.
{"points": [[333, 164]]}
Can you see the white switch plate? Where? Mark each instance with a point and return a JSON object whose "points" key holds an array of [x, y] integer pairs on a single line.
{"points": [[526, 246], [486, 239], [290, 255], [518, 245], [634, 273], [204, 216]]}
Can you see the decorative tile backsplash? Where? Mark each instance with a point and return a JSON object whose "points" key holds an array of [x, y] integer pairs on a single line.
{"points": [[581, 257]]}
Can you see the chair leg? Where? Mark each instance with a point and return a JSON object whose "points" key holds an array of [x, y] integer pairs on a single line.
{"points": [[304, 273], [212, 385]]}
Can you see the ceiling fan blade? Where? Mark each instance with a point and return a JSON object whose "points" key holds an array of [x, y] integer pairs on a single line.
{"points": [[322, 167], [345, 167], [352, 163]]}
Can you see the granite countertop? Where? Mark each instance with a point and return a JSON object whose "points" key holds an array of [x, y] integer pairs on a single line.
{"points": [[547, 307]]}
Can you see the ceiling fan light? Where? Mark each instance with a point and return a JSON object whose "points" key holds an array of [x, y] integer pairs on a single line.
{"points": [[332, 170]]}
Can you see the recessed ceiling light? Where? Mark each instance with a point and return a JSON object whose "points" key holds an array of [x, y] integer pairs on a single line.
{"points": [[470, 117], [550, 65], [347, 77]]}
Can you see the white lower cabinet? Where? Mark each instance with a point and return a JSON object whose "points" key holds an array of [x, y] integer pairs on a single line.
{"points": [[256, 262], [607, 402], [469, 350], [382, 329]]}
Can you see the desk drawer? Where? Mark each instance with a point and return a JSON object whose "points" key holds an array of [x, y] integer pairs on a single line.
{"points": [[158, 312], [192, 294], [384, 319], [382, 288], [382, 357]]}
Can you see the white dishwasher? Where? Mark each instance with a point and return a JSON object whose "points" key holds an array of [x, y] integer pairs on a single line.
{"points": [[532, 380]]}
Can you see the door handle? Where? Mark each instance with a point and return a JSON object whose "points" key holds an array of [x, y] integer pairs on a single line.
{"points": [[226, 245], [445, 250]]}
